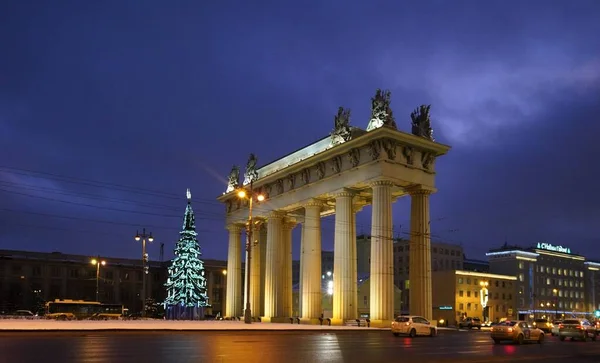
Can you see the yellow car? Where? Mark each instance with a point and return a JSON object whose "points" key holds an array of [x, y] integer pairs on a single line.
{"points": [[517, 331]]}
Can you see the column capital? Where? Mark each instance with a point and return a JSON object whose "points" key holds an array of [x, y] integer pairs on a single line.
{"points": [[381, 182], [419, 190], [289, 223], [314, 203], [345, 192], [276, 214], [235, 227]]}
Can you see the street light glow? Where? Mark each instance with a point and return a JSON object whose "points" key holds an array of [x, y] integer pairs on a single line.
{"points": [[94, 261], [241, 194], [260, 197], [224, 272]]}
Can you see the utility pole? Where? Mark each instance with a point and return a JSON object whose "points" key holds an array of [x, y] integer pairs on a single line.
{"points": [[143, 237]]}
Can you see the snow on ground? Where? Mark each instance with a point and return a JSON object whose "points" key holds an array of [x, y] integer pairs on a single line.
{"points": [[18, 324]]}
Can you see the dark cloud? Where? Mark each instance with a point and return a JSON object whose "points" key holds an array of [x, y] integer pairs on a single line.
{"points": [[160, 99]]}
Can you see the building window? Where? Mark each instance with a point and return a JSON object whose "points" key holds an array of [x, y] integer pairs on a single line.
{"points": [[461, 306], [468, 281], [468, 293], [521, 265], [460, 293], [468, 306], [460, 280], [37, 271], [521, 278]]}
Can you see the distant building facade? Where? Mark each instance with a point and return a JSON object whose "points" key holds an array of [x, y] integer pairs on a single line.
{"points": [[460, 294], [551, 280], [29, 276]]}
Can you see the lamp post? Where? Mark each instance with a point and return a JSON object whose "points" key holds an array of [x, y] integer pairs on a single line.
{"points": [[243, 194], [97, 262], [555, 293], [143, 237]]}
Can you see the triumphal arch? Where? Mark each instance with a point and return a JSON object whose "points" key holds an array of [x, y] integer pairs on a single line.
{"points": [[338, 174]]}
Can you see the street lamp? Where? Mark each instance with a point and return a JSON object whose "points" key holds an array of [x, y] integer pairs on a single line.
{"points": [[249, 194], [144, 237], [97, 262]]}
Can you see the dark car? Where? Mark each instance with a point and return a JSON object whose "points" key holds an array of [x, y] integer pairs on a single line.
{"points": [[470, 323]]}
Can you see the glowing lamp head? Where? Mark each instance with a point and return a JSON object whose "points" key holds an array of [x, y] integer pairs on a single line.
{"points": [[137, 237], [150, 239], [224, 272], [241, 194], [103, 263], [260, 197], [94, 261]]}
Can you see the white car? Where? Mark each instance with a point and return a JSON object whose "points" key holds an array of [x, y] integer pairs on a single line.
{"points": [[413, 326]]}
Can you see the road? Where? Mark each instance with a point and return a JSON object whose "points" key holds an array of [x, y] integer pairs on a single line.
{"points": [[279, 347]]}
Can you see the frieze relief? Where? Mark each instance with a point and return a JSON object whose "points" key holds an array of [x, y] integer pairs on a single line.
{"points": [[390, 147], [291, 181], [305, 174], [407, 151], [375, 149], [336, 164], [279, 185], [354, 156], [321, 170], [427, 160]]}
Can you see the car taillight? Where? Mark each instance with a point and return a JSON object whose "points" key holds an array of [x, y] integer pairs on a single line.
{"points": [[560, 326], [510, 330], [579, 327]]}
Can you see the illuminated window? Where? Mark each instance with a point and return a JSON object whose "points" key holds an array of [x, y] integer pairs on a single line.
{"points": [[521, 277], [521, 265]]}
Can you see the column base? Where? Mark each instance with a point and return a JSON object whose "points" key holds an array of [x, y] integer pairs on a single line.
{"points": [[311, 321], [337, 322], [274, 319], [381, 323]]}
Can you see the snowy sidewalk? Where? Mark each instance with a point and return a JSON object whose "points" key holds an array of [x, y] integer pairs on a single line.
{"points": [[52, 325]]}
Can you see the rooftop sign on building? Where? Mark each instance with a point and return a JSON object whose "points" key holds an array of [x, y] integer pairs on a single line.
{"points": [[553, 248]]}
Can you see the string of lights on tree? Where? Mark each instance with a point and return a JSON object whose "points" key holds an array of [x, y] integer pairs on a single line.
{"points": [[186, 284]]}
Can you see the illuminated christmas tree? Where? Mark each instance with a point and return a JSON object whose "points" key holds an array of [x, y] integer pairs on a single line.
{"points": [[186, 284]]}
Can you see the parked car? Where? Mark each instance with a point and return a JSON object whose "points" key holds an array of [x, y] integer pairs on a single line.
{"points": [[470, 323], [413, 326]]}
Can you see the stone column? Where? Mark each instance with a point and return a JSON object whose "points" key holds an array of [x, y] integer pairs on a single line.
{"points": [[344, 263], [288, 225], [255, 272], [382, 256], [234, 272], [310, 262], [274, 297], [420, 254], [262, 244]]}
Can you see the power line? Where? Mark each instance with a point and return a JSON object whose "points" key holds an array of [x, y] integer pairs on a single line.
{"points": [[209, 215]]}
